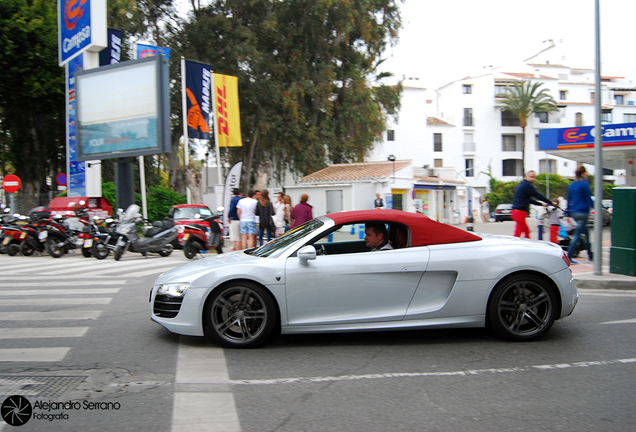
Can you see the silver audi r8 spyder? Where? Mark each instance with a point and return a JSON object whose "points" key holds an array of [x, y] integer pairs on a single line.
{"points": [[322, 277]]}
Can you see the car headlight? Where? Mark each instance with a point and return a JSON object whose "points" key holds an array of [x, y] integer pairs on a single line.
{"points": [[173, 290]]}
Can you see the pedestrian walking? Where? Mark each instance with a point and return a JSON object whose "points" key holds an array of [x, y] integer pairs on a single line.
{"points": [[485, 210], [264, 213], [553, 215], [288, 211], [302, 212], [579, 203], [378, 203], [525, 194], [246, 209], [235, 224], [279, 214]]}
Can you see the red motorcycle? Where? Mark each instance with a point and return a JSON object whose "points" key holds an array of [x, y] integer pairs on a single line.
{"points": [[204, 236]]}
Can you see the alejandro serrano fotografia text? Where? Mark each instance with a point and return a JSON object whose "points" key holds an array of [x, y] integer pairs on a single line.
{"points": [[76, 405]]}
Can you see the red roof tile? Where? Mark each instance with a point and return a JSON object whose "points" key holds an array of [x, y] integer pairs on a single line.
{"points": [[355, 171]]}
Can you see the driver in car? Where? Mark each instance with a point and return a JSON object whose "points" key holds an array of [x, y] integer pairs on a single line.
{"points": [[376, 237]]}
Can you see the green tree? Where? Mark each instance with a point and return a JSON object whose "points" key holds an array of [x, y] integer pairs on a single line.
{"points": [[524, 100], [306, 68], [32, 120]]}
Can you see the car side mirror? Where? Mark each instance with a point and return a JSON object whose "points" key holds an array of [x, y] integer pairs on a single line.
{"points": [[307, 253]]}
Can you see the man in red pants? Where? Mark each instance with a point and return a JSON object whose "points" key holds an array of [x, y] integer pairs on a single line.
{"points": [[524, 196]]}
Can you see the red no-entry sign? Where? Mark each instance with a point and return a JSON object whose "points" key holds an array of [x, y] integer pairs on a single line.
{"points": [[11, 183]]}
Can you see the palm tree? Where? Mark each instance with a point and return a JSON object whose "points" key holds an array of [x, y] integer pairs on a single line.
{"points": [[524, 100]]}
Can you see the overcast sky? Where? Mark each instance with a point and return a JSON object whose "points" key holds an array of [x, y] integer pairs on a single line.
{"points": [[450, 39]]}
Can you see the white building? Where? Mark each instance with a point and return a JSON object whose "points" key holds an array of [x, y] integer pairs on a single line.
{"points": [[458, 131]]}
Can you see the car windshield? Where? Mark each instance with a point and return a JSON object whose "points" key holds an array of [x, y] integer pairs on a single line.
{"points": [[279, 244], [188, 213]]}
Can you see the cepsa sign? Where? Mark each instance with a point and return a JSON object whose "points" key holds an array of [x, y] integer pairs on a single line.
{"points": [[81, 26]]}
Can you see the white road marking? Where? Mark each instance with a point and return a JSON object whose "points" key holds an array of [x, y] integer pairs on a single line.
{"points": [[203, 399], [464, 373], [607, 292], [70, 291], [34, 354], [626, 321], [52, 315], [55, 301], [42, 332], [9, 285]]}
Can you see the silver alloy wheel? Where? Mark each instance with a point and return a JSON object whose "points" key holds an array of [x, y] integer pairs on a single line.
{"points": [[523, 308], [241, 315]]}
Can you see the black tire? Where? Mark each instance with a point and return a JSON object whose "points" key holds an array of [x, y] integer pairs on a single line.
{"points": [[100, 250], [242, 315], [219, 248], [54, 247], [13, 249], [119, 251], [27, 248], [522, 308], [191, 248], [86, 252], [166, 251]]}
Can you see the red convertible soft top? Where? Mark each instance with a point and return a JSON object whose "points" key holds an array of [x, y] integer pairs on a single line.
{"points": [[424, 230]]}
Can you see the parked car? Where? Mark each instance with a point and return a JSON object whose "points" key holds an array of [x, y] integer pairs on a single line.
{"points": [[605, 213], [503, 212], [186, 214], [320, 277]]}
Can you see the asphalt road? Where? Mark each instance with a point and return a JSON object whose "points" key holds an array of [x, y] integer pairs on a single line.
{"points": [[86, 336]]}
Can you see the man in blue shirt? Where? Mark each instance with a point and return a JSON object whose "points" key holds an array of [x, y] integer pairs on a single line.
{"points": [[235, 225], [524, 196], [579, 203]]}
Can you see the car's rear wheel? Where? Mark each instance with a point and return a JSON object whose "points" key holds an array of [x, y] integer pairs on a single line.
{"points": [[522, 308], [241, 315]]}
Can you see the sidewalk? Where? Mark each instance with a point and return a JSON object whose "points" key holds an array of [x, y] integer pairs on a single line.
{"points": [[584, 271]]}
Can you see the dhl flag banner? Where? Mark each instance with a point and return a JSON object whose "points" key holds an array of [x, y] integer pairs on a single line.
{"points": [[228, 118], [198, 78]]}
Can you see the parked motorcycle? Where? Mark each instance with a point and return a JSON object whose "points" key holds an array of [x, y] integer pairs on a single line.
{"points": [[30, 242], [204, 236], [11, 232], [60, 234], [157, 239], [104, 238]]}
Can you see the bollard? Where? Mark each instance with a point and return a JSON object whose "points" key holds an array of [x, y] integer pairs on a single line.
{"points": [[361, 232], [330, 238], [469, 223]]}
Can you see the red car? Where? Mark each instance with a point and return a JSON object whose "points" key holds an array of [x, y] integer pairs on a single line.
{"points": [[185, 214]]}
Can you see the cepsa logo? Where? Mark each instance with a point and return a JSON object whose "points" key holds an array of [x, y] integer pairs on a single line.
{"points": [[573, 135], [73, 11]]}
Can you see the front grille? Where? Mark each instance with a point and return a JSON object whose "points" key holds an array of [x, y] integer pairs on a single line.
{"points": [[167, 306]]}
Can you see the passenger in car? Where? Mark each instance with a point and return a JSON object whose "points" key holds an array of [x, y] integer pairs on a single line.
{"points": [[376, 237]]}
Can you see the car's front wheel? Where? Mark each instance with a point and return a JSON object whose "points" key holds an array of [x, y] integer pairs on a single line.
{"points": [[522, 308], [241, 315]]}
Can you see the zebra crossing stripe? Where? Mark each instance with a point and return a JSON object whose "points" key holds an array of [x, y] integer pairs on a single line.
{"points": [[33, 354], [42, 332], [56, 301], [51, 315], [70, 291]]}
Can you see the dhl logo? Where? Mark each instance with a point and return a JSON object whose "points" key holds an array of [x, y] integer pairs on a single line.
{"points": [[221, 109], [73, 11], [573, 135]]}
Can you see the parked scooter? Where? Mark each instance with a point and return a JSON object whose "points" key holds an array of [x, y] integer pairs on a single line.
{"points": [[61, 234], [157, 239], [204, 236]]}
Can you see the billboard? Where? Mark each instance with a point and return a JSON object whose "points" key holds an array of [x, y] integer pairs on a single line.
{"points": [[123, 110], [144, 51], [81, 26]]}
